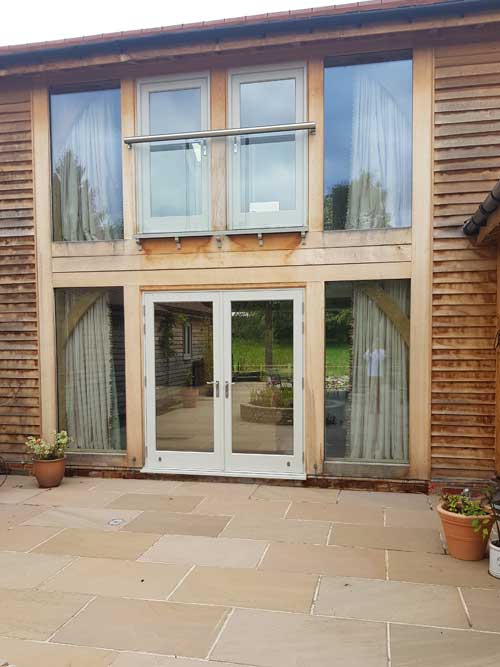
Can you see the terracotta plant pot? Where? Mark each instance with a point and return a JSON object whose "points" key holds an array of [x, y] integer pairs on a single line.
{"points": [[461, 539], [190, 397], [49, 473]]}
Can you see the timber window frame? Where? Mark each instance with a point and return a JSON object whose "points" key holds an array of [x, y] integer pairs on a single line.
{"points": [[261, 219], [147, 222]]}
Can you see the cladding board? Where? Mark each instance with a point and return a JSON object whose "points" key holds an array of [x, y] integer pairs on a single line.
{"points": [[464, 312]]}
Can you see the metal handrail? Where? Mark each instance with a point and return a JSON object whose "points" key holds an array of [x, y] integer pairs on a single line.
{"points": [[228, 132]]}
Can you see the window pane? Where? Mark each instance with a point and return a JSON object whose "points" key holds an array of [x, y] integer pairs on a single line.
{"points": [[86, 166], [366, 370], [267, 161], [368, 145], [91, 367], [176, 168]]}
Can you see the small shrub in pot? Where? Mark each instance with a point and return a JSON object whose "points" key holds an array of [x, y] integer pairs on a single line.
{"points": [[48, 458]]}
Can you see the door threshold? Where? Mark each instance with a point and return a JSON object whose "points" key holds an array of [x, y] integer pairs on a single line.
{"points": [[220, 473]]}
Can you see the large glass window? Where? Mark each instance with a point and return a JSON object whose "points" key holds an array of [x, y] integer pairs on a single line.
{"points": [[86, 166], [91, 367], [368, 145], [267, 171], [366, 370], [173, 186]]}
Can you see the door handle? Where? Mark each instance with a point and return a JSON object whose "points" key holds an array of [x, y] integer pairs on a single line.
{"points": [[216, 383], [226, 387]]}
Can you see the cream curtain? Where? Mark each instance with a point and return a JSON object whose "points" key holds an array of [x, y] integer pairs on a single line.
{"points": [[378, 429], [380, 183], [91, 398], [87, 171]]}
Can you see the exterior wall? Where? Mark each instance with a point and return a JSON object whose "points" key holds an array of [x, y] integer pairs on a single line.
{"points": [[464, 318], [19, 382]]}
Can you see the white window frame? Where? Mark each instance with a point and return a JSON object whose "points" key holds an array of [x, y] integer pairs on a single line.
{"points": [[296, 218], [146, 221]]}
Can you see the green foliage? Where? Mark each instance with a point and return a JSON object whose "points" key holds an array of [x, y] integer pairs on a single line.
{"points": [[48, 451], [272, 397], [335, 206], [464, 504]]}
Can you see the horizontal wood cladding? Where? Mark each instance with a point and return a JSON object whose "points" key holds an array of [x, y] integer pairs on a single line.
{"points": [[19, 382], [464, 316]]}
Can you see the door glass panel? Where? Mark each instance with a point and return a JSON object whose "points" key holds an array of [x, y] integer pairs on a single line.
{"points": [[176, 167], [267, 162], [183, 376], [262, 376]]}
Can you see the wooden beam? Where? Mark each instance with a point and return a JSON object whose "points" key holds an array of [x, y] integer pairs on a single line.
{"points": [[315, 69], [218, 119], [497, 374], [314, 419], [421, 275], [128, 111], [46, 316], [390, 308], [134, 375]]}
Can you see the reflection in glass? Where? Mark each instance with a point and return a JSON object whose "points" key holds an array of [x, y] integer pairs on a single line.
{"points": [[267, 161], [262, 376], [86, 166], [366, 370], [184, 375], [368, 145], [91, 366], [175, 167]]}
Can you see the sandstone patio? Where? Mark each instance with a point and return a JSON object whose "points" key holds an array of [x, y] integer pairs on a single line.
{"points": [[143, 573]]}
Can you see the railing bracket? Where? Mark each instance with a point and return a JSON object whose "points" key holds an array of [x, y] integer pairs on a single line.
{"points": [[177, 242]]}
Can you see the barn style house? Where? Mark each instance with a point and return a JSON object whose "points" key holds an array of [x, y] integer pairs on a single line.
{"points": [[237, 248]]}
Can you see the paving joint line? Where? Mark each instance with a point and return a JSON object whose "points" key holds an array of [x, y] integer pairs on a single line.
{"points": [[75, 615]]}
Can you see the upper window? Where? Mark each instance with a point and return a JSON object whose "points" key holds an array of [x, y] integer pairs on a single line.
{"points": [[267, 171], [368, 145], [173, 185], [86, 166]]}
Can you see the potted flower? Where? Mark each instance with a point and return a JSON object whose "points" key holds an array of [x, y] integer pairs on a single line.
{"points": [[494, 499], [48, 459], [467, 524]]}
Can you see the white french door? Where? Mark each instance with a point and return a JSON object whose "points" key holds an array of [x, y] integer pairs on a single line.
{"points": [[224, 382]]}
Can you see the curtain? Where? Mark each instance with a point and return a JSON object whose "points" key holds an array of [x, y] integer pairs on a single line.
{"points": [[88, 173], [91, 397], [378, 423], [380, 184]]}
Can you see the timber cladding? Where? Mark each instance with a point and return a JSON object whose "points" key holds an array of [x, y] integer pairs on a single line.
{"points": [[19, 381], [466, 166]]}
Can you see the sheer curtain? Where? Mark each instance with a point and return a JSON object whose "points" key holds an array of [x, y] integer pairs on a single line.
{"points": [[378, 424], [88, 192], [380, 182], [90, 384]]}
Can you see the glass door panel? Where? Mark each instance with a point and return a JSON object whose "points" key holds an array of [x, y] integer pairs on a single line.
{"points": [[183, 381], [263, 381]]}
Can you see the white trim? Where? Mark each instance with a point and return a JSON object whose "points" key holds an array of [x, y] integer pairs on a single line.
{"points": [[145, 221], [275, 219]]}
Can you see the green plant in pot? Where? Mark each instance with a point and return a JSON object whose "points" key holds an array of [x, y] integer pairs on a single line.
{"points": [[467, 523], [48, 458]]}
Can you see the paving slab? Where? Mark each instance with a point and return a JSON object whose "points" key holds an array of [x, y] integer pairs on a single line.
{"points": [[337, 513], [429, 568], [275, 639], [33, 614], [403, 539], [296, 493], [278, 530], [28, 570], [209, 551], [98, 544], [484, 608], [24, 538], [376, 600], [275, 509], [118, 578], [13, 494], [413, 646], [178, 524], [256, 589], [73, 497], [333, 561], [385, 499], [144, 660], [13, 515], [152, 501], [167, 628], [28, 653], [83, 517], [229, 490]]}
